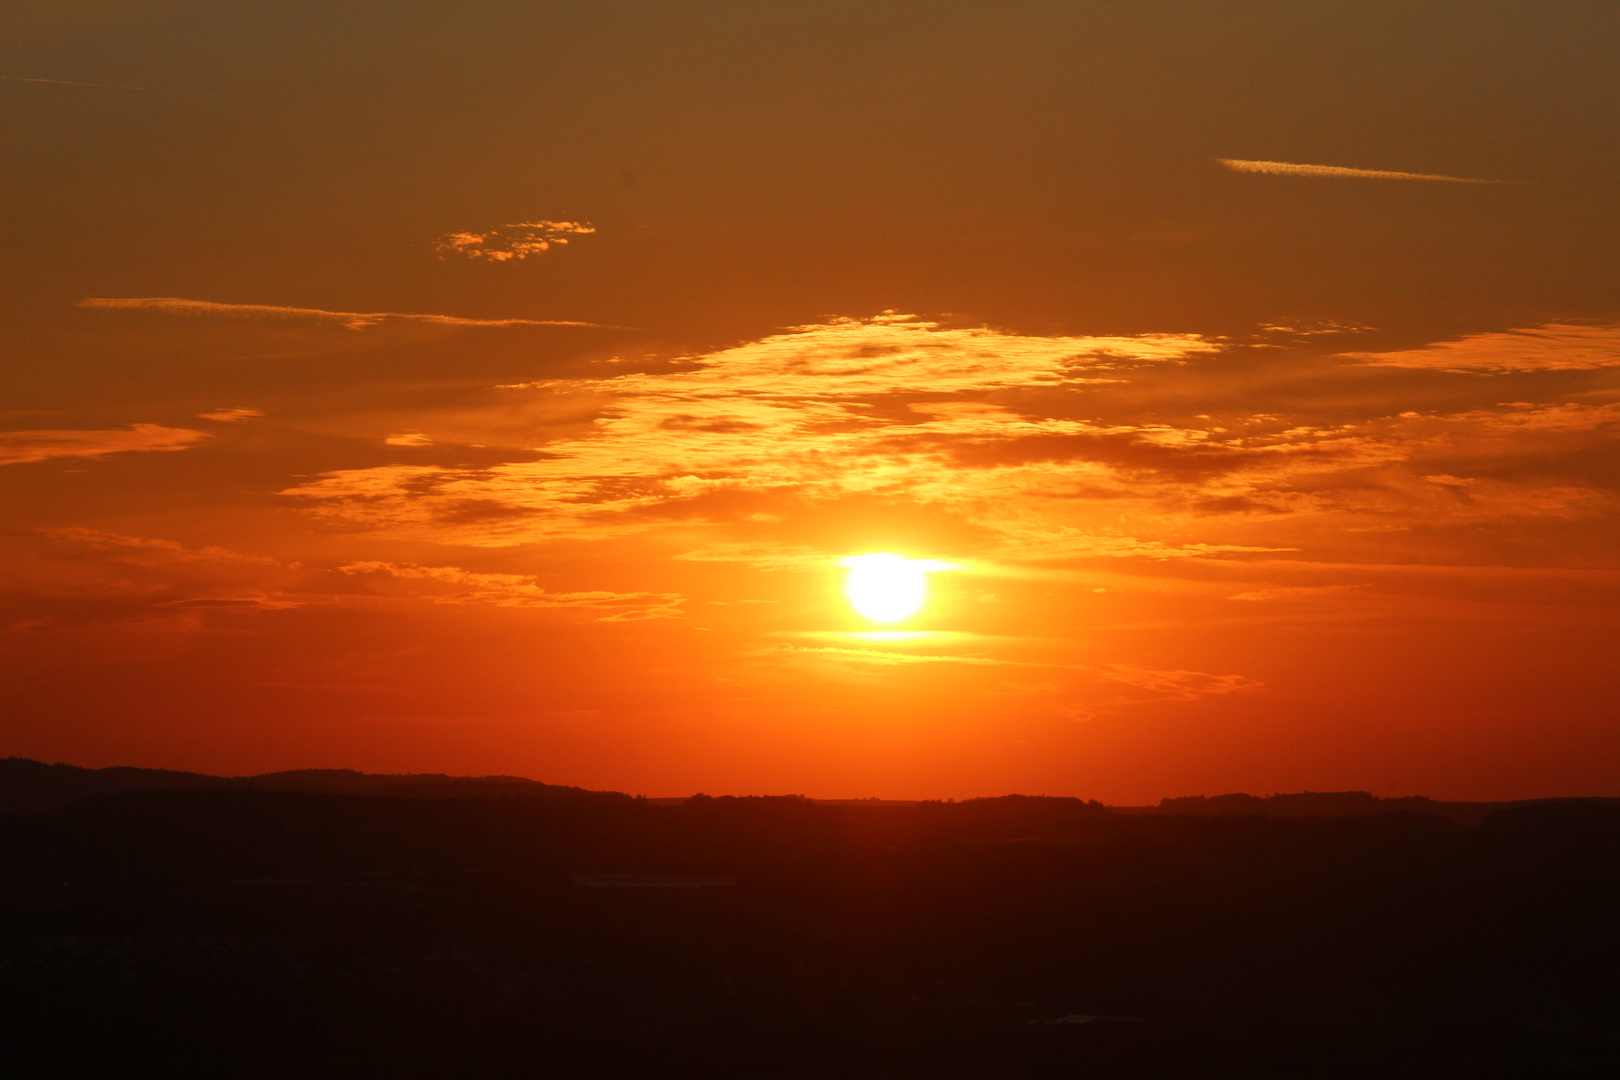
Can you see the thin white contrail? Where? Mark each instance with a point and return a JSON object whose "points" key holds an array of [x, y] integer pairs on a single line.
{"points": [[1288, 168], [64, 82]]}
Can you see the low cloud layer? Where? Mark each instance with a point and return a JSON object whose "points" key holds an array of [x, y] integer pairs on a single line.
{"points": [[986, 428], [884, 408]]}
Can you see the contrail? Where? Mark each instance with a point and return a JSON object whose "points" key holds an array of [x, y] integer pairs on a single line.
{"points": [[64, 82], [354, 320], [1286, 168]]}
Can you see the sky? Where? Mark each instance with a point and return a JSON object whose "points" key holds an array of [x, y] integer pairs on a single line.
{"points": [[498, 387]]}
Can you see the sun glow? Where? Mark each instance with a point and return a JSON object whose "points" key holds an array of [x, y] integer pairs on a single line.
{"points": [[887, 588]]}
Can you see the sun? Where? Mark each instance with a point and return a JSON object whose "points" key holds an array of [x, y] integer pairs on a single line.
{"points": [[887, 588]]}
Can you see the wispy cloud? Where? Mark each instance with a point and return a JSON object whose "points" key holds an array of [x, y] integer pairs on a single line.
{"points": [[1288, 168], [1292, 592], [86, 577], [229, 416], [1156, 683], [506, 243], [454, 585], [1177, 685], [140, 577], [760, 556], [22, 446], [238, 603], [144, 548], [890, 658], [65, 82], [1552, 347], [354, 320]]}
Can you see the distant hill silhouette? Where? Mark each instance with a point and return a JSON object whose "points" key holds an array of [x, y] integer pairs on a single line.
{"points": [[33, 787], [1321, 804], [313, 924]]}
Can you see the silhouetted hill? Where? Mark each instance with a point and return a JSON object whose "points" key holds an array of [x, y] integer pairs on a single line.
{"points": [[33, 787], [1319, 804], [221, 929]]}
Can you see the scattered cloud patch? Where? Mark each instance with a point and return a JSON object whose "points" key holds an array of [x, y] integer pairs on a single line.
{"points": [[513, 242], [1315, 328], [229, 416], [413, 438], [1286, 168], [23, 446]]}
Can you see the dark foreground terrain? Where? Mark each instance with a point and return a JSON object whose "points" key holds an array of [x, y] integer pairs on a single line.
{"points": [[235, 931]]}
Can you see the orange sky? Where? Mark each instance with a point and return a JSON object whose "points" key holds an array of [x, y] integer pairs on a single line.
{"points": [[496, 388]]}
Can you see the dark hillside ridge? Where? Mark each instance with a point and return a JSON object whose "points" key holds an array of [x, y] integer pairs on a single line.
{"points": [[1321, 804], [249, 933], [33, 787]]}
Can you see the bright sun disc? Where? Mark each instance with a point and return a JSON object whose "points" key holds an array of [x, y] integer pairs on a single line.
{"points": [[886, 588]]}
